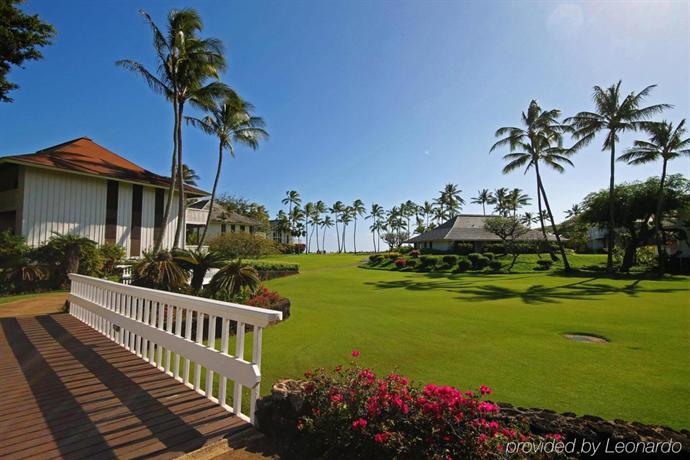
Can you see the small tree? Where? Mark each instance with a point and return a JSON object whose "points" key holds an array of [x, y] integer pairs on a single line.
{"points": [[198, 263], [509, 229]]}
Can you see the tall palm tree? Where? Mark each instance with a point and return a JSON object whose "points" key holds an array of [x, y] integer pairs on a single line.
{"points": [[500, 200], [358, 210], [308, 214], [185, 64], [297, 226], [337, 208], [574, 210], [189, 175], [484, 197], [326, 223], [666, 143], [538, 141], [517, 199], [346, 216], [291, 199], [230, 121], [615, 114], [319, 209], [376, 214], [528, 219], [427, 211], [451, 200]]}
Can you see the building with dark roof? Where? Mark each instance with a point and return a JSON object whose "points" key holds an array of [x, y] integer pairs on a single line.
{"points": [[465, 228], [222, 221], [80, 187]]}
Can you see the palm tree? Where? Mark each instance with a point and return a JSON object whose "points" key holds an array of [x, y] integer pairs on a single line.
{"points": [[376, 214], [189, 175], [336, 209], [327, 222], [234, 278], [516, 199], [159, 270], [500, 200], [614, 116], [574, 211], [231, 121], [198, 263], [346, 216], [185, 63], [665, 143], [308, 214], [70, 248], [484, 197], [291, 199], [428, 211], [358, 210], [528, 219], [539, 141], [451, 200], [319, 208], [297, 226]]}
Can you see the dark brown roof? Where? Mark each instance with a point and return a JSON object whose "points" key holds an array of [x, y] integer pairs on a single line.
{"points": [[469, 227], [84, 156]]}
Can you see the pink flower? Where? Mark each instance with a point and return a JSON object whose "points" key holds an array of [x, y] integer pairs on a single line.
{"points": [[337, 398], [355, 353], [486, 406], [358, 424], [380, 438], [485, 390]]}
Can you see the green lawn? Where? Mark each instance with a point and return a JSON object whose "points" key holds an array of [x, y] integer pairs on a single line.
{"points": [[504, 331]]}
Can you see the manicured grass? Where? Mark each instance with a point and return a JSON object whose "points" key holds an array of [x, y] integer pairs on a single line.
{"points": [[14, 298], [504, 331]]}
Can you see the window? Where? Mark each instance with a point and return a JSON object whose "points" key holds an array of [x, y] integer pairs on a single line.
{"points": [[111, 211], [137, 198], [158, 212], [232, 228], [223, 229]]}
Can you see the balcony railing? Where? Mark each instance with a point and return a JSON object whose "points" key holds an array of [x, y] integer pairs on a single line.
{"points": [[179, 335], [196, 216]]}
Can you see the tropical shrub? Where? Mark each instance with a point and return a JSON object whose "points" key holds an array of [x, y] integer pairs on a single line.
{"points": [[450, 260], [495, 265], [478, 261], [265, 298], [352, 410], [496, 248], [234, 283], [428, 262], [159, 271], [414, 253], [489, 255], [242, 245], [16, 267], [400, 263], [112, 254], [463, 265], [405, 249], [375, 258], [198, 263], [463, 248], [544, 264], [411, 263], [262, 266], [392, 255], [68, 253]]}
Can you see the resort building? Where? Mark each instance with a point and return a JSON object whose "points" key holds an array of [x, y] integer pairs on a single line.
{"points": [[465, 228], [80, 187], [279, 233], [222, 221]]}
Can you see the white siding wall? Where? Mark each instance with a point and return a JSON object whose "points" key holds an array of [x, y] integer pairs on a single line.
{"points": [[62, 203], [124, 215], [172, 223], [69, 203]]}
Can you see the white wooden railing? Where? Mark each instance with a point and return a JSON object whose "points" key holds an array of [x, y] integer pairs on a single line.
{"points": [[157, 326], [196, 216], [126, 273]]}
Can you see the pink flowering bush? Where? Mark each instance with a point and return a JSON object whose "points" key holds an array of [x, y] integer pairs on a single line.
{"points": [[400, 263], [414, 253], [353, 413]]}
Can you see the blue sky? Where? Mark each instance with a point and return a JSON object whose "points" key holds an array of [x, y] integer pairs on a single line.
{"points": [[382, 101]]}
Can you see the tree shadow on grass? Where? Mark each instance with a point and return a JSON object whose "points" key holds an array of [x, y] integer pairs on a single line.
{"points": [[588, 288]]}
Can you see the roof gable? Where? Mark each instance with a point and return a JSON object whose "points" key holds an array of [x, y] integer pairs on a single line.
{"points": [[84, 156]]}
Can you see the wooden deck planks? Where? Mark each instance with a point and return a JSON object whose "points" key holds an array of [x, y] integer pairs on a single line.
{"points": [[69, 392]]}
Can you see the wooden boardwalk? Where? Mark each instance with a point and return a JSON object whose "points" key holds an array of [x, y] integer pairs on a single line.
{"points": [[67, 391]]}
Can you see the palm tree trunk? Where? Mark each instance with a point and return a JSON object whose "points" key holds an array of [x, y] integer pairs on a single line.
{"points": [[483, 207], [181, 204], [323, 240], [658, 226], [316, 226], [354, 236], [213, 195], [610, 234], [344, 228], [337, 232], [566, 265], [158, 241]]}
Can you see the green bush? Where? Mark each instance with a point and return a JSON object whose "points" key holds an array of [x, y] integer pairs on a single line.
{"points": [[18, 273], [392, 255], [543, 264], [405, 249], [428, 262], [495, 265], [160, 271], [450, 260], [243, 245], [411, 263], [496, 248], [463, 248], [489, 255], [463, 265], [112, 255], [375, 258], [262, 266], [478, 261]]}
